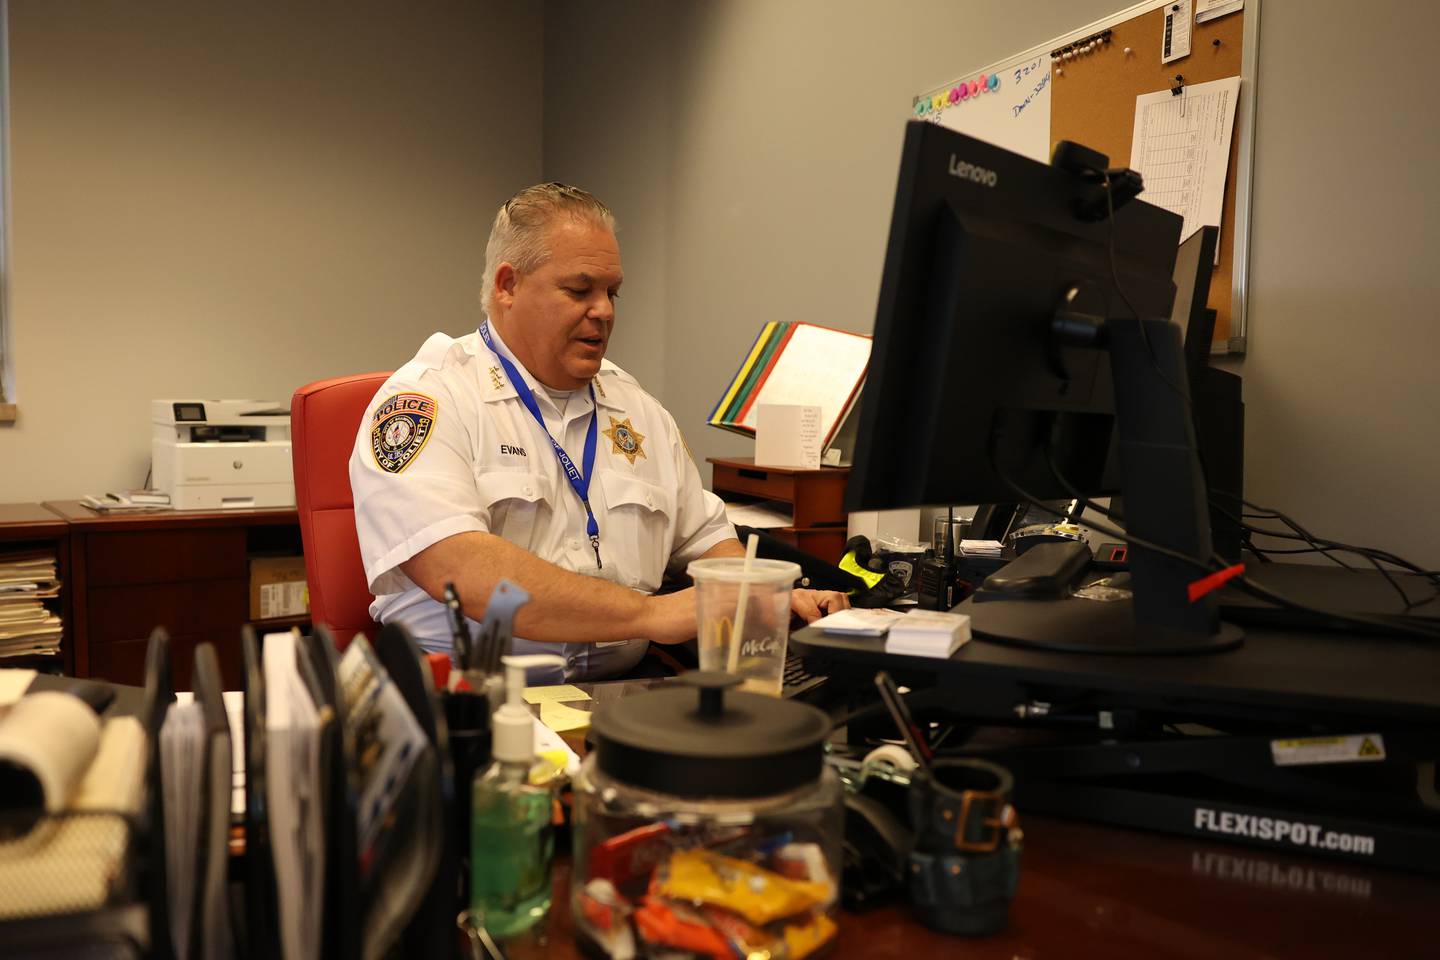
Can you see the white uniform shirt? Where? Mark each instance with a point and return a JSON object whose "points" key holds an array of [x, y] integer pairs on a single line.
{"points": [[459, 452]]}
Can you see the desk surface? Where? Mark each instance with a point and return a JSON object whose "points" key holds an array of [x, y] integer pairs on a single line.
{"points": [[21, 520], [78, 515], [1093, 891]]}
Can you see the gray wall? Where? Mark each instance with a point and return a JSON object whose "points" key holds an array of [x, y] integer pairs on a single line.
{"points": [[1341, 385], [771, 137], [231, 200]]}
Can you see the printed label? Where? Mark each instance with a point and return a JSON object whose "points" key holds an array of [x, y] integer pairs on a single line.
{"points": [[1311, 750]]}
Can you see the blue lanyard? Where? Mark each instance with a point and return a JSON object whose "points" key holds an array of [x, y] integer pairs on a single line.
{"points": [[579, 482]]}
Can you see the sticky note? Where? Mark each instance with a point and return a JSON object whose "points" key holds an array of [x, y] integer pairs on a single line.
{"points": [[561, 719], [560, 693]]}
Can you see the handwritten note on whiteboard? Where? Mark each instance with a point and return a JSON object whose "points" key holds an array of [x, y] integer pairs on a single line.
{"points": [[1181, 147], [1013, 113]]}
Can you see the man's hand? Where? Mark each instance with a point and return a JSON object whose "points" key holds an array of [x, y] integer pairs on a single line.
{"points": [[669, 617], [811, 605]]}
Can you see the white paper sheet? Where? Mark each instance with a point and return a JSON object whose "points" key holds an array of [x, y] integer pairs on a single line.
{"points": [[787, 435], [13, 684], [1175, 40], [297, 832], [1181, 146], [1208, 10]]}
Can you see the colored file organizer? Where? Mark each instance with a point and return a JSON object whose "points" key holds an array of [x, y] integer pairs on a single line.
{"points": [[797, 363]]}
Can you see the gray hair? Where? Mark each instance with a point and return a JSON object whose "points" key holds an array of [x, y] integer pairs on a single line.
{"points": [[518, 235]]}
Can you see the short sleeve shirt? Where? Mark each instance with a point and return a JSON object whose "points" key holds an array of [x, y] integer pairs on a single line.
{"points": [[447, 447]]}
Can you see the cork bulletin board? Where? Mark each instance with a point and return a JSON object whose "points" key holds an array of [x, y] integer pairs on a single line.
{"points": [[1091, 96]]}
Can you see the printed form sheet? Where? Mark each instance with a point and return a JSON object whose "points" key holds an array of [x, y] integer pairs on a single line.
{"points": [[1181, 146]]}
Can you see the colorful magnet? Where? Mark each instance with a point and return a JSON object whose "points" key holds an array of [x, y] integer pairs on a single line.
{"points": [[994, 81], [984, 82], [921, 106], [954, 94], [974, 87], [964, 89], [937, 102]]}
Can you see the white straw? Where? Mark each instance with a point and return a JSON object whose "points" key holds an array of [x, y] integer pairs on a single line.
{"points": [[738, 632]]}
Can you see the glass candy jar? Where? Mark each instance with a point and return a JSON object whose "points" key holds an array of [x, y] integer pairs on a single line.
{"points": [[707, 823]]}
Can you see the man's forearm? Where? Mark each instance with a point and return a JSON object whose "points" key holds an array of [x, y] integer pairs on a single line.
{"points": [[564, 607]]}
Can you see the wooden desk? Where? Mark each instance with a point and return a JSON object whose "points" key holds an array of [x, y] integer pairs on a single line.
{"points": [[186, 570], [29, 526], [1102, 892], [1088, 890], [816, 496]]}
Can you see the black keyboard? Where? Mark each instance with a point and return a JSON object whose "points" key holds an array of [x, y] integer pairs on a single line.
{"points": [[796, 681]]}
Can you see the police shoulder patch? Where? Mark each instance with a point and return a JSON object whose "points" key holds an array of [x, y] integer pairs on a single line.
{"points": [[399, 429]]}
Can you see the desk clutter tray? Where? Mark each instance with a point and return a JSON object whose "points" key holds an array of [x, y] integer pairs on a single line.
{"points": [[345, 852]]}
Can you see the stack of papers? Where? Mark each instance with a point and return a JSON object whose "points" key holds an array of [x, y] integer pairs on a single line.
{"points": [[765, 515], [295, 790], [928, 633], [235, 715], [980, 548], [27, 626], [859, 622], [124, 503]]}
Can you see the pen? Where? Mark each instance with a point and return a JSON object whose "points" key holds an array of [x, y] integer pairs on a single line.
{"points": [[919, 749], [459, 629]]}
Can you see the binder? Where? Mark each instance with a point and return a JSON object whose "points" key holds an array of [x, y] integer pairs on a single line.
{"points": [[212, 924], [343, 938], [402, 902], [159, 695], [262, 932], [433, 864]]}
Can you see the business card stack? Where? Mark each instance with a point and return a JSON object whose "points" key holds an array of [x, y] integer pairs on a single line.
{"points": [[928, 633]]}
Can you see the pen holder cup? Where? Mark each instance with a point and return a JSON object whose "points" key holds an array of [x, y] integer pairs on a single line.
{"points": [[965, 864]]}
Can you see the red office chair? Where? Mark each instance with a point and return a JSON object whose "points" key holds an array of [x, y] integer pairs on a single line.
{"points": [[324, 418]]}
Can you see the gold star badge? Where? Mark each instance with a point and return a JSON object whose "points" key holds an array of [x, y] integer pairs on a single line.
{"points": [[626, 439]]}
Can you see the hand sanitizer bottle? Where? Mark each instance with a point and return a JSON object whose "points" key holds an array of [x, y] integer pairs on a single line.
{"points": [[511, 837]]}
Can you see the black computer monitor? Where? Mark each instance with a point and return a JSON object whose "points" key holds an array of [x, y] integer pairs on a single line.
{"points": [[1007, 366]]}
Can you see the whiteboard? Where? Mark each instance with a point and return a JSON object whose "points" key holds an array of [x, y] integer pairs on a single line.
{"points": [[1007, 105]]}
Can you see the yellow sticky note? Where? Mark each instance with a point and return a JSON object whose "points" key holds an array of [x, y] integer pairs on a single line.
{"points": [[562, 719], [560, 693]]}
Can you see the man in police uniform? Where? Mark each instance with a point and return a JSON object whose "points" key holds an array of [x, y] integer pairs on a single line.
{"points": [[519, 451]]}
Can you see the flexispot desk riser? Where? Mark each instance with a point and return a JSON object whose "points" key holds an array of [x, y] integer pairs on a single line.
{"points": [[1187, 744]]}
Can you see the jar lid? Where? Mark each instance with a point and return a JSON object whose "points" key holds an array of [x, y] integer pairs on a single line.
{"points": [[699, 738]]}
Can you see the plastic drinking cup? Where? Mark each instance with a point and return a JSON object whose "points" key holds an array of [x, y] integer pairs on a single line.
{"points": [[747, 640]]}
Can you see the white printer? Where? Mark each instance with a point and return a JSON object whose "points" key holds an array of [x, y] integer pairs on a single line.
{"points": [[212, 454]]}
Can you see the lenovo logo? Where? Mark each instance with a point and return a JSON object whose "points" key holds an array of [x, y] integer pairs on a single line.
{"points": [[969, 171]]}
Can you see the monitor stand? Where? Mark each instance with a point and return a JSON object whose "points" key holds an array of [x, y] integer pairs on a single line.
{"points": [[1165, 503]]}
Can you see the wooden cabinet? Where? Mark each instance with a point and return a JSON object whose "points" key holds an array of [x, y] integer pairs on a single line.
{"points": [[26, 527], [188, 571], [816, 496]]}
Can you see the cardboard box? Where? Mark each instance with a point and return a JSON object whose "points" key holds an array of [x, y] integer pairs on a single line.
{"points": [[278, 588]]}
